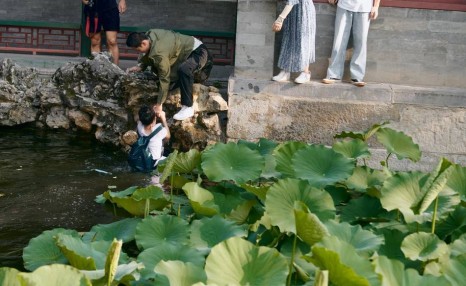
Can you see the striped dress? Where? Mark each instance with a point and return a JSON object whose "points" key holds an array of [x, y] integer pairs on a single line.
{"points": [[299, 32]]}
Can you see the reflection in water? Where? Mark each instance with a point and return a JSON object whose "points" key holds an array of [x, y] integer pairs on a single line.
{"points": [[48, 179]]}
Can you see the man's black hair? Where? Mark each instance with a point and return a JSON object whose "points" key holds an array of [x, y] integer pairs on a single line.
{"points": [[135, 39], [146, 115]]}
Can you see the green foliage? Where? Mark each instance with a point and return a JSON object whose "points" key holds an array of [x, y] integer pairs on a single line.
{"points": [[267, 213]]}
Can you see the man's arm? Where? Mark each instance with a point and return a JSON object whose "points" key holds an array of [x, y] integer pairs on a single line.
{"points": [[375, 10], [165, 125]]}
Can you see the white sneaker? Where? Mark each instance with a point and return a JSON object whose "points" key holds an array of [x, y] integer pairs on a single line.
{"points": [[184, 113], [303, 77], [282, 76]]}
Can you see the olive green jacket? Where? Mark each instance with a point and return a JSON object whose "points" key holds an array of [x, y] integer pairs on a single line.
{"points": [[168, 49]]}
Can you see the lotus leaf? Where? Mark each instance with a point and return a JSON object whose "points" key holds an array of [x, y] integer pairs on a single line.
{"points": [[321, 166], [123, 229], [236, 261], [364, 178], [392, 246], [283, 155], [9, 276], [42, 249], [399, 143], [364, 208], [458, 247], [54, 275], [161, 230], [354, 148], [123, 272], [186, 162], [167, 166], [82, 255], [457, 181], [453, 225], [111, 262], [201, 200], [181, 273], [455, 270], [259, 191], [264, 146], [282, 196], [423, 246], [225, 162], [308, 226]]}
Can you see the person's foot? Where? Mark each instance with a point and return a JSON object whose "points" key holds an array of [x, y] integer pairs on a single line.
{"points": [[330, 80], [358, 83], [282, 76], [303, 77], [184, 113]]}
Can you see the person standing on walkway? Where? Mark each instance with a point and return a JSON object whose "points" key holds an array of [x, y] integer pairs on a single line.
{"points": [[297, 51], [104, 14], [355, 16], [174, 58]]}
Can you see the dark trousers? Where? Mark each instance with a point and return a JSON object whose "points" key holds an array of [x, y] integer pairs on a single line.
{"points": [[199, 61]]}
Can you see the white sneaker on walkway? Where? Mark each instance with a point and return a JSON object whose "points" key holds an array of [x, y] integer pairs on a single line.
{"points": [[184, 113], [303, 77], [282, 76]]}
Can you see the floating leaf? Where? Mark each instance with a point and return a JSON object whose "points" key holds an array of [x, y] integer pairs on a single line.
{"points": [[161, 230], [423, 246], [399, 143], [123, 229], [208, 232], [283, 155], [81, 255], [238, 262], [232, 162], [354, 148], [180, 273], [54, 275], [321, 166]]}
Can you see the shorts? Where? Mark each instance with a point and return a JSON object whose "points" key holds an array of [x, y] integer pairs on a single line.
{"points": [[109, 20]]}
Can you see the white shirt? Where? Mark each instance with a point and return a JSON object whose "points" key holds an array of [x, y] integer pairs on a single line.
{"points": [[356, 5], [155, 143]]}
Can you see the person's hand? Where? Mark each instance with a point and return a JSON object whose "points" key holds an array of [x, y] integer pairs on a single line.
{"points": [[122, 6], [161, 115], [277, 26], [85, 2], [333, 2], [374, 13], [158, 110], [133, 69]]}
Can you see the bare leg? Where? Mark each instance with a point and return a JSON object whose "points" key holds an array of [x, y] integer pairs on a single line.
{"points": [[95, 42], [113, 46]]}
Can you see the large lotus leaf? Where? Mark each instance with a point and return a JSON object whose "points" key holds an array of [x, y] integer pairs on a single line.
{"points": [[201, 200], [364, 136], [241, 214], [136, 204], [458, 247], [423, 246], [208, 232], [282, 196], [392, 246], [123, 271], [54, 275], [344, 264], [264, 146], [436, 182], [284, 154], [168, 252], [236, 261], [122, 194], [123, 229], [180, 273], [79, 254], [229, 197], [393, 274], [161, 230], [187, 162], [225, 162], [448, 200], [167, 166], [321, 166], [398, 143], [9, 276], [364, 178], [308, 226], [455, 270], [363, 209], [457, 181], [364, 241], [259, 191], [42, 250], [340, 194], [354, 148]]}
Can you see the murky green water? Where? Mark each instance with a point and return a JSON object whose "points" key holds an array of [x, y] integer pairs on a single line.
{"points": [[48, 179]]}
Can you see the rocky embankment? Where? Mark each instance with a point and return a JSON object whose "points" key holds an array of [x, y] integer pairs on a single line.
{"points": [[98, 97]]}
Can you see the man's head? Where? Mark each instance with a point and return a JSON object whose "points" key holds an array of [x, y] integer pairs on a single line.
{"points": [[146, 115], [138, 41]]}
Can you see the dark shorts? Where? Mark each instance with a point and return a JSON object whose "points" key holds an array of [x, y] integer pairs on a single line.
{"points": [[109, 20]]}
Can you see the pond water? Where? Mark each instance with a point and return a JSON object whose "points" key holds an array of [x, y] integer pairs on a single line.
{"points": [[49, 179]]}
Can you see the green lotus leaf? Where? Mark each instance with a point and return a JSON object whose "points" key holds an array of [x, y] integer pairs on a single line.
{"points": [[282, 196], [393, 273], [82, 255], [122, 194], [296, 249], [364, 178], [458, 247], [308, 226], [177, 182], [423, 246], [123, 271], [354, 148], [167, 167], [161, 230], [9, 276], [111, 261], [201, 200], [392, 246], [241, 213], [236, 261], [229, 197], [398, 143], [455, 270], [363, 241], [208, 232], [457, 181], [123, 229], [340, 194], [169, 252], [364, 136], [364, 208], [181, 273], [284, 154], [186, 162], [321, 166], [54, 275], [225, 162], [264, 146], [136, 203], [259, 191], [42, 250]]}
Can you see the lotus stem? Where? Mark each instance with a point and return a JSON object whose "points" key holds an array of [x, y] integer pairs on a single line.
{"points": [[386, 159], [434, 217], [146, 209], [290, 269]]}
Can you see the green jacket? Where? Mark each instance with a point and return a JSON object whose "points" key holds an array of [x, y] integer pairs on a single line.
{"points": [[168, 49]]}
